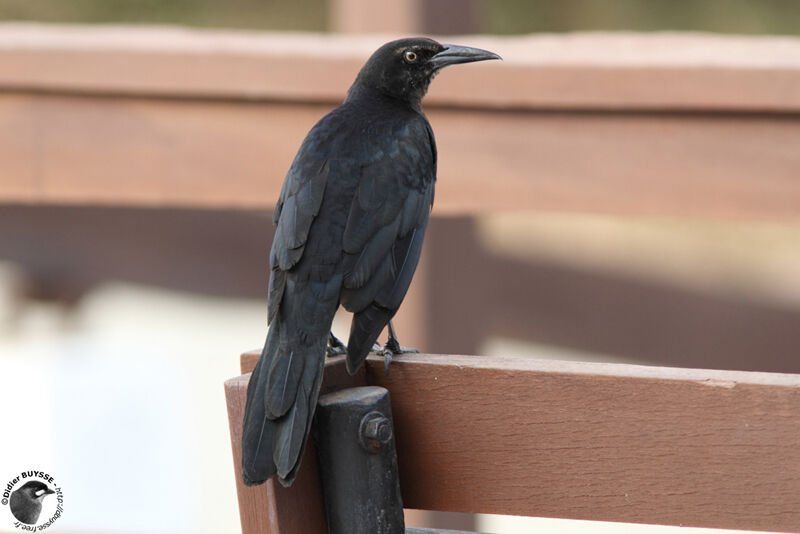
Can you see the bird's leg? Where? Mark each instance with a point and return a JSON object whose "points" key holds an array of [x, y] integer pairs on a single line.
{"points": [[393, 347], [335, 346]]}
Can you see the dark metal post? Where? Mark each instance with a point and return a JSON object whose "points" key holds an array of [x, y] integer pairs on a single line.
{"points": [[358, 462]]}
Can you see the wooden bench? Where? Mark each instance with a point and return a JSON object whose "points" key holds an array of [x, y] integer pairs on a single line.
{"points": [[606, 442]]}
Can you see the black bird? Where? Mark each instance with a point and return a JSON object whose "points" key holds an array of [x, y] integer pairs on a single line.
{"points": [[351, 218], [26, 502]]}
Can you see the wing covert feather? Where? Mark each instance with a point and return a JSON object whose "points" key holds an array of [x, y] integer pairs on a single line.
{"points": [[387, 220]]}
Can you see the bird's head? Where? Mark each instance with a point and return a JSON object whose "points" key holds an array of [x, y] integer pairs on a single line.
{"points": [[35, 490], [404, 69]]}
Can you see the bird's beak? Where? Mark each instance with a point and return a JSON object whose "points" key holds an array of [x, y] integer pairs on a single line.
{"points": [[454, 54]]}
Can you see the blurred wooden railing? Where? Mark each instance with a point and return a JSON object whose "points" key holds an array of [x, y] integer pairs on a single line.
{"points": [[656, 124], [679, 125]]}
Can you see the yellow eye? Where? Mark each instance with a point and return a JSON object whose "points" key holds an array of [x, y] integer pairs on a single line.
{"points": [[410, 56]]}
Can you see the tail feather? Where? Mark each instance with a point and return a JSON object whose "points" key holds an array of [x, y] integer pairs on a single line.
{"points": [[289, 434], [281, 399], [283, 379], [258, 432], [290, 476], [292, 429]]}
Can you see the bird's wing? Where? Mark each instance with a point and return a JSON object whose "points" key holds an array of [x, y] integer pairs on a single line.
{"points": [[284, 386], [299, 203], [383, 236]]}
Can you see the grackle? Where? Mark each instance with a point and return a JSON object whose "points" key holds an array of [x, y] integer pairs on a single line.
{"points": [[350, 221], [26, 502]]}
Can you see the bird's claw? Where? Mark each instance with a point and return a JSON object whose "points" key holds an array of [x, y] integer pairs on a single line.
{"points": [[335, 347], [394, 346], [335, 351], [391, 348], [387, 359]]}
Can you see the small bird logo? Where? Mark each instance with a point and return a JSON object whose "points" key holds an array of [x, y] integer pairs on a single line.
{"points": [[26, 502]]}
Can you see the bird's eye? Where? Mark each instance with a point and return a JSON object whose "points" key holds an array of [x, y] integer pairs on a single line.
{"points": [[410, 56]]}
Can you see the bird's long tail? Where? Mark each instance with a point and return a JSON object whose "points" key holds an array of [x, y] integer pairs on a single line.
{"points": [[281, 398]]}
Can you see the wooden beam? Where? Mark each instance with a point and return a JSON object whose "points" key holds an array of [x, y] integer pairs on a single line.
{"points": [[409, 17], [607, 442], [195, 153], [360, 16], [574, 71]]}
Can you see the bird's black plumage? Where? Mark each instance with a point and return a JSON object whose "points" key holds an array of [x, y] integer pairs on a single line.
{"points": [[350, 222]]}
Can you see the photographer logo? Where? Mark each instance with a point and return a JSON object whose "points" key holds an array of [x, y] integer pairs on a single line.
{"points": [[34, 500]]}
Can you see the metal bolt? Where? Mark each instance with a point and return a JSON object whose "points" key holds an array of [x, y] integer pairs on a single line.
{"points": [[375, 432]]}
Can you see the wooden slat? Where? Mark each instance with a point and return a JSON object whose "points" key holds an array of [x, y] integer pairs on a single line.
{"points": [[64, 149], [147, 152], [592, 71], [248, 360], [597, 441], [271, 508]]}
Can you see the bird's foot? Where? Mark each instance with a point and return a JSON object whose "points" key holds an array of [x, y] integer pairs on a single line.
{"points": [[394, 346], [391, 348], [335, 347]]}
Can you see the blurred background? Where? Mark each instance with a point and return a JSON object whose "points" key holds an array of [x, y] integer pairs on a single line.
{"points": [[119, 321], [780, 17]]}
